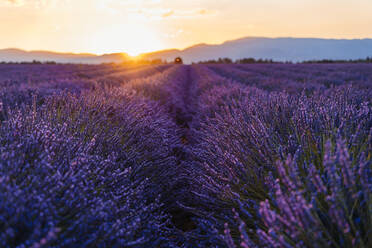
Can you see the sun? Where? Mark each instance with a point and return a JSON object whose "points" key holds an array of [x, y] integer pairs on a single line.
{"points": [[132, 39]]}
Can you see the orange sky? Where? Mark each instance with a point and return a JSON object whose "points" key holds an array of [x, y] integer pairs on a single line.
{"points": [[135, 26]]}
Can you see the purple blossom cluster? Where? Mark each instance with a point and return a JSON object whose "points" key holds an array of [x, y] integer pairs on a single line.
{"points": [[328, 207], [87, 169], [261, 155], [247, 131]]}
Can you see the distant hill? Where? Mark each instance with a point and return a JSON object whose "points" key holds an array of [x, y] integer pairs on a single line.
{"points": [[17, 55], [278, 49]]}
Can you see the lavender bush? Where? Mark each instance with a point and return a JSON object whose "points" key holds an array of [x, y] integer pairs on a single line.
{"points": [[261, 155], [57, 191], [80, 178], [326, 204], [240, 144]]}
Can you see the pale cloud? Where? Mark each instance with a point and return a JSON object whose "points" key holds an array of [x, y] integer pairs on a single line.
{"points": [[168, 14], [204, 12], [160, 13], [13, 2], [174, 34], [193, 13], [152, 9], [34, 3], [108, 4]]}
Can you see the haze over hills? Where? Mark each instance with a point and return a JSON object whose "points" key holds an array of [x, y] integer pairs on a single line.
{"points": [[279, 49], [18, 55]]}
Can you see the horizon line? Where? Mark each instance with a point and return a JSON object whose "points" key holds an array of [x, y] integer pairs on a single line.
{"points": [[179, 49]]}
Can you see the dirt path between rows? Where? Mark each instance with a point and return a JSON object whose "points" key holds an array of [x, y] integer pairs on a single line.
{"points": [[184, 114]]}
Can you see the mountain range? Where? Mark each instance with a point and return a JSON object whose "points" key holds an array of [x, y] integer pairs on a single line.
{"points": [[18, 55], [278, 49]]}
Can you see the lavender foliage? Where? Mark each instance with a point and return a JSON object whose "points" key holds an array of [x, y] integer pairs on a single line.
{"points": [[261, 155]]}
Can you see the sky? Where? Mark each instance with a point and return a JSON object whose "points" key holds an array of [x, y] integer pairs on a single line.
{"points": [[137, 26]]}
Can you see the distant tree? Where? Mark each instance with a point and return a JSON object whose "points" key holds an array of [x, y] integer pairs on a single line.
{"points": [[254, 61], [224, 61], [157, 62], [50, 62], [246, 61], [211, 61], [178, 60], [339, 61]]}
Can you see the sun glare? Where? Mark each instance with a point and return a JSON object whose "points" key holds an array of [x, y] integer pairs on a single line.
{"points": [[132, 39]]}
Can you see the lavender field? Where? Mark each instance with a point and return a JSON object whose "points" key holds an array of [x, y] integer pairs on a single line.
{"points": [[222, 155]]}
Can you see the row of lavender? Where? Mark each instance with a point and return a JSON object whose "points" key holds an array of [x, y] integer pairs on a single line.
{"points": [[294, 78], [283, 155], [19, 82], [186, 156], [83, 162]]}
